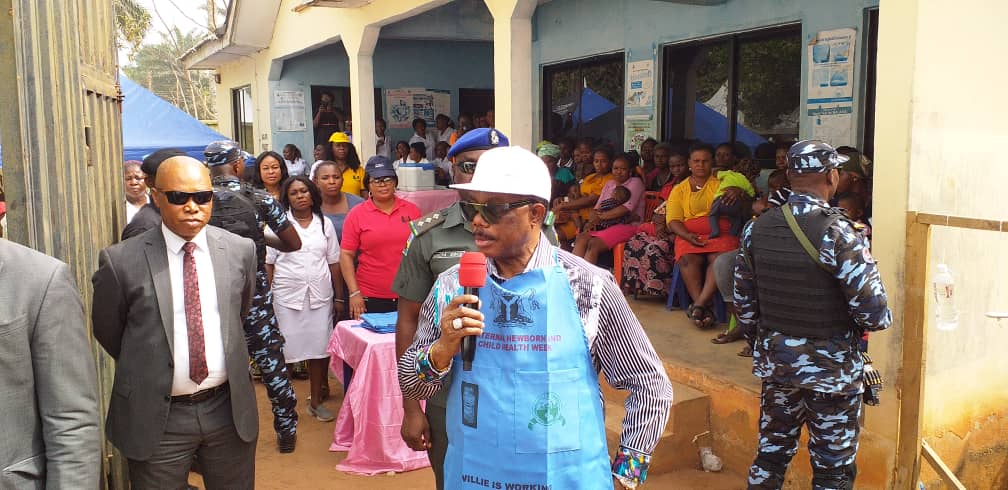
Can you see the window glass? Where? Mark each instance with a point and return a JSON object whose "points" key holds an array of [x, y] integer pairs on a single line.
{"points": [[241, 101], [769, 90], [584, 99], [744, 89]]}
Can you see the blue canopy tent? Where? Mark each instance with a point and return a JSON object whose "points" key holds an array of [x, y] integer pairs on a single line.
{"points": [[590, 114], [150, 123], [591, 106], [711, 127]]}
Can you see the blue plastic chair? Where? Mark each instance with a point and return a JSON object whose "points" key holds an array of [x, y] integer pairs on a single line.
{"points": [[680, 298]]}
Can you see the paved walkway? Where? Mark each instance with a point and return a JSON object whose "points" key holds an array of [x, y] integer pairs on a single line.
{"points": [[313, 466]]}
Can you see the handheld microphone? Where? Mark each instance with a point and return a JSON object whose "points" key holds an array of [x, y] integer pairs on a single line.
{"points": [[472, 276]]}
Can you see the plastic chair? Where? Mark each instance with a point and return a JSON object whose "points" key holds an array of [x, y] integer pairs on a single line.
{"points": [[679, 297], [651, 201], [617, 261]]}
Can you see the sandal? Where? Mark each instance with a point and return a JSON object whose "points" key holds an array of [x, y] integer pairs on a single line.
{"points": [[728, 337], [705, 319], [746, 351]]}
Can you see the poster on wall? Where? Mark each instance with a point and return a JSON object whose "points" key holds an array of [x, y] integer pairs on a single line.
{"points": [[442, 103], [405, 104], [289, 110], [399, 104], [830, 104], [637, 129], [640, 83]]}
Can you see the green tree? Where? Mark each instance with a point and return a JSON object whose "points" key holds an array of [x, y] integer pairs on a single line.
{"points": [[158, 67], [132, 23]]}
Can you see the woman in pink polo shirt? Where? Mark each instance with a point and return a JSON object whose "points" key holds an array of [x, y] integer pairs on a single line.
{"points": [[375, 233]]}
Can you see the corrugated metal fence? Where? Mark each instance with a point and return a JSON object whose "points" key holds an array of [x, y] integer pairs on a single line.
{"points": [[62, 142]]}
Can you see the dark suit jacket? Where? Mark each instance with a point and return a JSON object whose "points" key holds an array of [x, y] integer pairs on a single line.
{"points": [[49, 435], [149, 216], [133, 320]]}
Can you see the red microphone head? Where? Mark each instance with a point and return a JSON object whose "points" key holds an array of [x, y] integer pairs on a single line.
{"points": [[472, 270]]}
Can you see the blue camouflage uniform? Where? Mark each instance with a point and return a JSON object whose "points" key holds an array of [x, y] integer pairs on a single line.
{"points": [[265, 343], [813, 381]]}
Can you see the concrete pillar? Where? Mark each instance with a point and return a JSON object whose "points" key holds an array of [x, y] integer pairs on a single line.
{"points": [[359, 42], [513, 68], [898, 418]]}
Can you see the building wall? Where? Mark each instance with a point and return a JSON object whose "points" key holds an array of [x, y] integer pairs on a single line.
{"points": [[564, 30], [398, 63], [957, 128]]}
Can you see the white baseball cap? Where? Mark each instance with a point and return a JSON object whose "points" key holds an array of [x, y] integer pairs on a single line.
{"points": [[510, 170]]}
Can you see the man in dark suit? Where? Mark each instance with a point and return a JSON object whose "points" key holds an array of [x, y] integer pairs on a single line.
{"points": [[49, 436], [168, 306], [149, 216]]}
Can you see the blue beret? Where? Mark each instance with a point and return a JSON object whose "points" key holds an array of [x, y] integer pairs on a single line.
{"points": [[479, 139]]}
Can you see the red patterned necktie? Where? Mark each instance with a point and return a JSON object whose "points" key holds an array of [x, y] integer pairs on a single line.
{"points": [[194, 316]]}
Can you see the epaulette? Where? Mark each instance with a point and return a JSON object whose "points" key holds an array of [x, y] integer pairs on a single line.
{"points": [[422, 225], [425, 223]]}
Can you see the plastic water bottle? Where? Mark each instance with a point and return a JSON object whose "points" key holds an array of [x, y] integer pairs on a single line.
{"points": [[947, 317], [709, 460]]}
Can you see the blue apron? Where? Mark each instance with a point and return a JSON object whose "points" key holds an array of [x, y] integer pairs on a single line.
{"points": [[529, 412]]}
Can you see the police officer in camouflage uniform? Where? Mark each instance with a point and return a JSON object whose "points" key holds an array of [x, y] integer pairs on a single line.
{"points": [[232, 199], [806, 282], [437, 242]]}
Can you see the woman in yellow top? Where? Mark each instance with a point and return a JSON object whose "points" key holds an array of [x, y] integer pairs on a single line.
{"points": [[686, 214], [345, 155], [591, 188]]}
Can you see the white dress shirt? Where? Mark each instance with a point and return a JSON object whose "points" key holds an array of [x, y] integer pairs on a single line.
{"points": [[181, 383], [131, 210], [305, 271], [382, 146], [296, 167], [429, 142]]}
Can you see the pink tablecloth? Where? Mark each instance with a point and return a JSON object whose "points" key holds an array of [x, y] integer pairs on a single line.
{"points": [[368, 423], [430, 201]]}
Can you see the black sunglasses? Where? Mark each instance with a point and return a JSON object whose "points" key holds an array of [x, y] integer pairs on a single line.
{"points": [[491, 213], [466, 167], [180, 198]]}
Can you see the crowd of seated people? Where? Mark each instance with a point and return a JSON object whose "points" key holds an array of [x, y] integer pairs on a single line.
{"points": [[706, 195]]}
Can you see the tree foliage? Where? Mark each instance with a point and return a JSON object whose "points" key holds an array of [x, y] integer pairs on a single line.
{"points": [[605, 79], [132, 23], [158, 67]]}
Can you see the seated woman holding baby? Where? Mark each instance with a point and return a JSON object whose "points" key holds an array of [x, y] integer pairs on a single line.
{"points": [[688, 214], [616, 215]]}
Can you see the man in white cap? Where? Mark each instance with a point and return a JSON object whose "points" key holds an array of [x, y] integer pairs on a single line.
{"points": [[528, 411]]}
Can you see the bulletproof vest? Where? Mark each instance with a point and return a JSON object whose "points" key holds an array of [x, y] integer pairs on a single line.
{"points": [[235, 211], [796, 297]]}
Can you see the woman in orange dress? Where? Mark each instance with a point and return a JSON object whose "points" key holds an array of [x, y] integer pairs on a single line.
{"points": [[686, 215]]}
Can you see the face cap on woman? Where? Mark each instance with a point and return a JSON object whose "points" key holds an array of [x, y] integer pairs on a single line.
{"points": [[379, 167]]}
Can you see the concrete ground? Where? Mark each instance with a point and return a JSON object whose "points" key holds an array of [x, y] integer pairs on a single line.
{"points": [[677, 341]]}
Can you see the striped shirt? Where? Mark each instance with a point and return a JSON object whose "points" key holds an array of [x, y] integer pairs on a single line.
{"points": [[619, 347]]}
